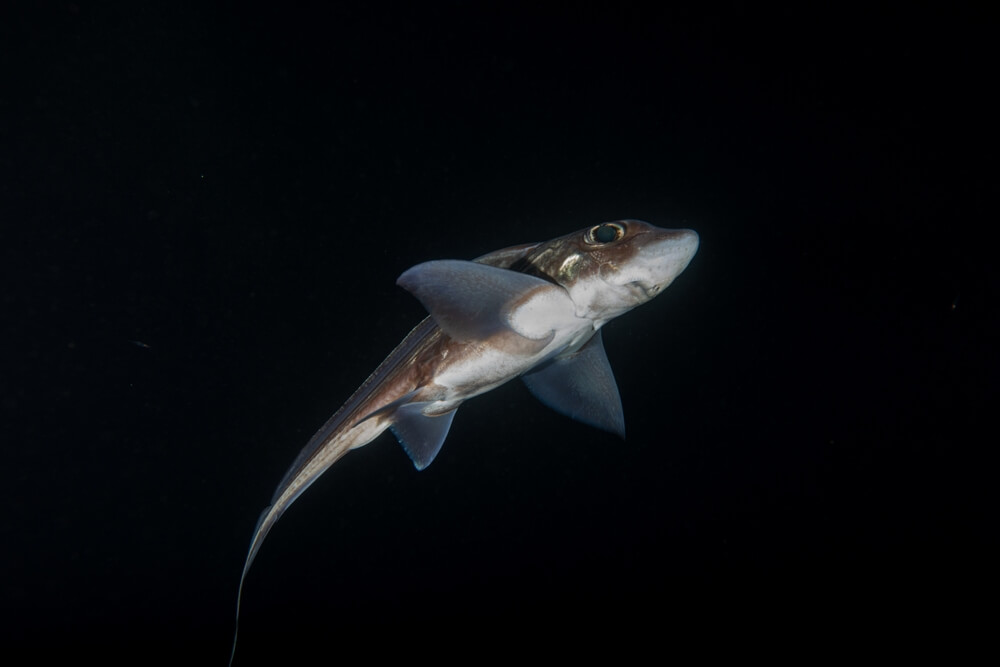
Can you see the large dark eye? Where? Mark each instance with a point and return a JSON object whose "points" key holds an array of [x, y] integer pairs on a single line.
{"points": [[606, 233]]}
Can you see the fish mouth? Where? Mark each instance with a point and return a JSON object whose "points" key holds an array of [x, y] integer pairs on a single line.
{"points": [[657, 257]]}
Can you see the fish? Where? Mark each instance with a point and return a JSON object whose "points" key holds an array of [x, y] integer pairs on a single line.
{"points": [[533, 311]]}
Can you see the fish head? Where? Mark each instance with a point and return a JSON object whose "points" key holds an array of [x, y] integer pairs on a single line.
{"points": [[610, 268]]}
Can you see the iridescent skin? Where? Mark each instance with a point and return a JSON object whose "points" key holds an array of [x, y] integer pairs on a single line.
{"points": [[568, 288]]}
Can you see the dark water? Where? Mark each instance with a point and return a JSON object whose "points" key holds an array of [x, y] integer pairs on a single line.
{"points": [[203, 215]]}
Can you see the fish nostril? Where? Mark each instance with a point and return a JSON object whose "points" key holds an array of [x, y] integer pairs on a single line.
{"points": [[646, 288]]}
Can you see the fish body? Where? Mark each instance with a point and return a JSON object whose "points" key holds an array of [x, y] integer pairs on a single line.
{"points": [[533, 311]]}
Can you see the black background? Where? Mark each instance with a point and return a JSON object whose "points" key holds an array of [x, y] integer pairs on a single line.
{"points": [[204, 210]]}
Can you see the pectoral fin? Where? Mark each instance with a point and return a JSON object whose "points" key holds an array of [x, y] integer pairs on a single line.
{"points": [[581, 385], [472, 301]]}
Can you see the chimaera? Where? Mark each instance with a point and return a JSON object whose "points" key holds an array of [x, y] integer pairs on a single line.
{"points": [[533, 311]]}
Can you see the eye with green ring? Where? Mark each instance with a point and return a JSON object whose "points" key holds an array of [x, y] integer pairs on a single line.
{"points": [[605, 233]]}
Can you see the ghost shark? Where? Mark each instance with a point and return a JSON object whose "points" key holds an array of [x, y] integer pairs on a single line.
{"points": [[533, 311]]}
